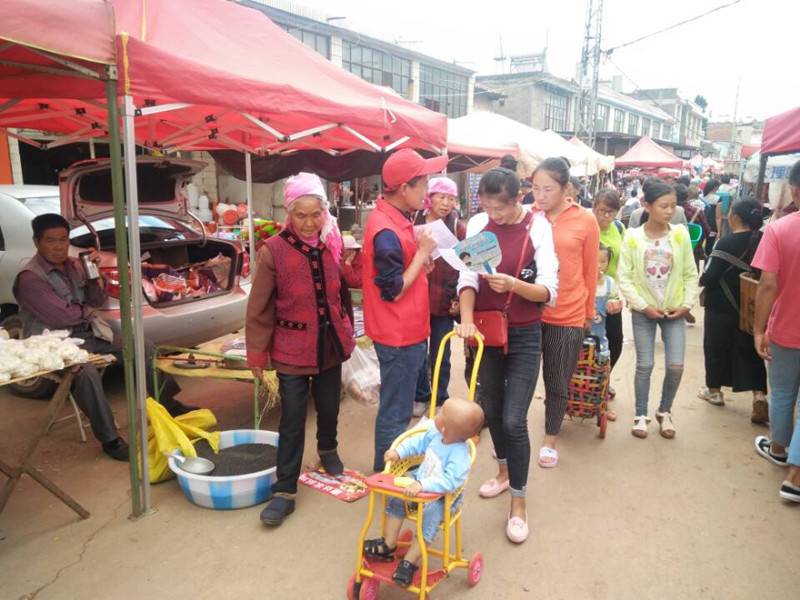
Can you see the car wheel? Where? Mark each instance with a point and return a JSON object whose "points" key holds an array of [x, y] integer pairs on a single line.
{"points": [[35, 387]]}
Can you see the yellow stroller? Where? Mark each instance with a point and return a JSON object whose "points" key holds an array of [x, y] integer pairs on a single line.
{"points": [[369, 575]]}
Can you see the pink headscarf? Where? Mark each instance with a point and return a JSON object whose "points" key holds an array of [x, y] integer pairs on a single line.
{"points": [[439, 185], [308, 184]]}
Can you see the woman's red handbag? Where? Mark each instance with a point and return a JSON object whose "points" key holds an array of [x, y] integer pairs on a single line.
{"points": [[493, 324]]}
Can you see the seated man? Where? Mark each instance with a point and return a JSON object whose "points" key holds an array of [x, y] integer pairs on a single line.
{"points": [[54, 292]]}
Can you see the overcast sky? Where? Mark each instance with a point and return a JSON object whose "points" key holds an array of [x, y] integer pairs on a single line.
{"points": [[753, 40]]}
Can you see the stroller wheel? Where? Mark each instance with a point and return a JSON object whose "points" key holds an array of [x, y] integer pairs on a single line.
{"points": [[366, 590], [475, 569]]}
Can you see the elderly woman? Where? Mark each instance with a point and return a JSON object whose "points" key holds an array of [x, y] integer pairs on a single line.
{"points": [[439, 204], [296, 320]]}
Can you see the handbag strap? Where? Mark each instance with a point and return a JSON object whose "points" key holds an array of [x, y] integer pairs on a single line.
{"points": [[521, 258], [733, 261]]}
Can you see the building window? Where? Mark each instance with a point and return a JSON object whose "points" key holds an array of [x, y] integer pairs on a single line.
{"points": [[656, 133], [601, 124], [556, 110], [320, 43], [645, 127], [443, 91], [619, 120], [377, 67], [633, 124], [667, 132]]}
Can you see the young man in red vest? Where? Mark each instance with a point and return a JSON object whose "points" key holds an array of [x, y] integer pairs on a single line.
{"points": [[396, 307]]}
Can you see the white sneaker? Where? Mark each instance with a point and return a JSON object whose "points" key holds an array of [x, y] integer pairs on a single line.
{"points": [[715, 398]]}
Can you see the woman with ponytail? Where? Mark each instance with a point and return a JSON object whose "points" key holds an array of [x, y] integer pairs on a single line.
{"points": [[730, 356]]}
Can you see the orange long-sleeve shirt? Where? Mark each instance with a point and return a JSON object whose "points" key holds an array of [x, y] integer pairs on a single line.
{"points": [[576, 237]]}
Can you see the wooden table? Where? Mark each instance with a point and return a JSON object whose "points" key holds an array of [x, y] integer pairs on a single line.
{"points": [[54, 408], [210, 354]]}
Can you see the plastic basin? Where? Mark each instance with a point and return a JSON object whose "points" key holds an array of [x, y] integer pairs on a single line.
{"points": [[235, 491]]}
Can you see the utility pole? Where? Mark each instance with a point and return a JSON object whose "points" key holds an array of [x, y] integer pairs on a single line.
{"points": [[590, 72]]}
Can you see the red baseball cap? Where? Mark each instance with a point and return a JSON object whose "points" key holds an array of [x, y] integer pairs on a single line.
{"points": [[402, 166]]}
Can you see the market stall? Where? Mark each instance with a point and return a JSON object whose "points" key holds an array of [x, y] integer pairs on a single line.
{"points": [[54, 356], [648, 155], [592, 162], [188, 80], [781, 136]]}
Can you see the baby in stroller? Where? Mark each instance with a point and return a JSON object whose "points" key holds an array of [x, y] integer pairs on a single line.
{"points": [[443, 470]]}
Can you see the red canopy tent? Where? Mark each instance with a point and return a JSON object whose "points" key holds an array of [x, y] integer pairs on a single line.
{"points": [[647, 154], [207, 74], [194, 74], [781, 133]]}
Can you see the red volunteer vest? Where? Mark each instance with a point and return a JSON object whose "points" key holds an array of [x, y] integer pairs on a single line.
{"points": [[307, 296], [405, 321]]}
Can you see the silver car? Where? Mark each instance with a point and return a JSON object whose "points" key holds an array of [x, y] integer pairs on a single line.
{"points": [[170, 237]]}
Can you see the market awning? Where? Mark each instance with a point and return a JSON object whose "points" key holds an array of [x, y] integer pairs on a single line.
{"points": [[647, 154], [782, 133], [592, 161], [208, 74]]}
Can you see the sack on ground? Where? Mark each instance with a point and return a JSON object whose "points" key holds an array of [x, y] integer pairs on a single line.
{"points": [[168, 433], [361, 376]]}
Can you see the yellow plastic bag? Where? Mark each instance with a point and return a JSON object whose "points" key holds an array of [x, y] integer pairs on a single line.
{"points": [[168, 433]]}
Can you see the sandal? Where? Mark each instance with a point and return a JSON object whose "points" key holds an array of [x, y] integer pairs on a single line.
{"points": [[404, 573], [517, 529], [640, 426], [548, 457], [665, 421], [493, 488], [379, 550], [715, 398]]}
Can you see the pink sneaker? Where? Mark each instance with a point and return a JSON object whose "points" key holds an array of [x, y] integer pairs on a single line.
{"points": [[493, 488]]}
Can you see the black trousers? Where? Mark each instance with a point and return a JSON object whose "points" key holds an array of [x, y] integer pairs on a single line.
{"points": [[614, 335], [326, 390], [87, 388], [730, 355]]}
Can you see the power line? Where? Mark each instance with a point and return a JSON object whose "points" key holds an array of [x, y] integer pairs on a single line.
{"points": [[684, 22]]}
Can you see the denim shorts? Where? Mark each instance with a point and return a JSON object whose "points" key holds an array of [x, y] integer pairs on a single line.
{"points": [[432, 513]]}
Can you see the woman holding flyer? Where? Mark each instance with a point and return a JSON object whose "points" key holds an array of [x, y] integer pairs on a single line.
{"points": [[507, 307], [439, 204]]}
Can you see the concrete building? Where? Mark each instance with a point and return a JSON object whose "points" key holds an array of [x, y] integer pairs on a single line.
{"points": [[733, 142], [436, 84], [544, 101], [690, 120]]}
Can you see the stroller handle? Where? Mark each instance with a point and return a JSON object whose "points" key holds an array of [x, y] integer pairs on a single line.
{"points": [[473, 380]]}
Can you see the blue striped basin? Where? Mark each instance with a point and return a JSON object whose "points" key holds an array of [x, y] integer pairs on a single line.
{"points": [[235, 491]]}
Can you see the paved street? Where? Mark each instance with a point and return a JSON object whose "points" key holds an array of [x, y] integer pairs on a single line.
{"points": [[697, 517]]}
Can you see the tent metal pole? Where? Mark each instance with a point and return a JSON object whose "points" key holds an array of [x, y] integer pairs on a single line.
{"points": [[121, 247], [762, 172], [132, 193], [251, 233]]}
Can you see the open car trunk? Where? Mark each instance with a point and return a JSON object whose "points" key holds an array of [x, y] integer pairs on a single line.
{"points": [[188, 272], [179, 264]]}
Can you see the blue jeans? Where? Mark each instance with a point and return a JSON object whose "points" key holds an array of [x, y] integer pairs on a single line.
{"points": [[440, 326], [400, 367], [432, 514], [784, 384], [673, 334], [507, 384]]}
